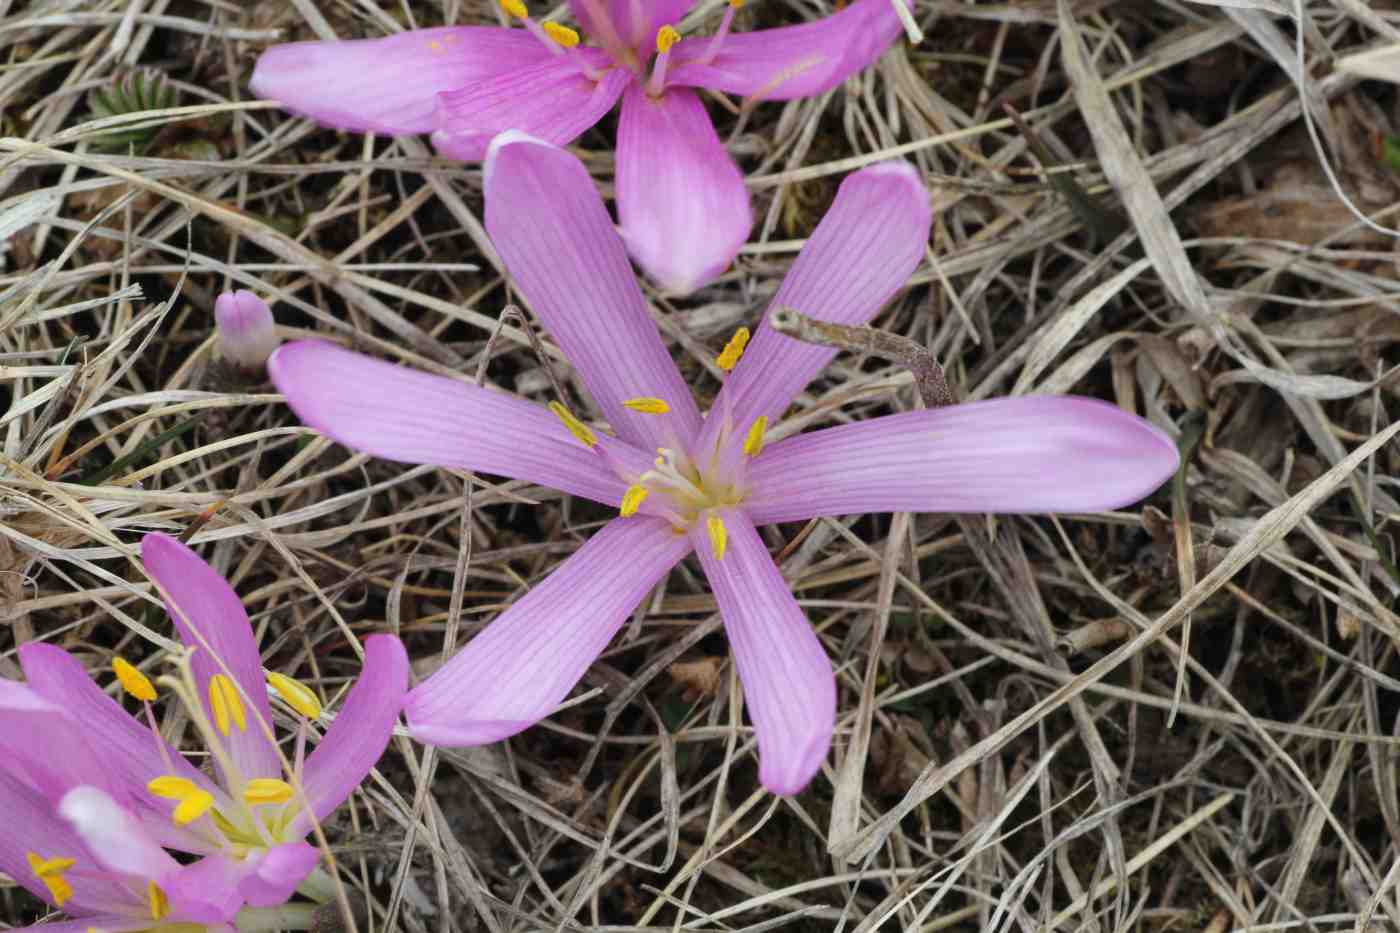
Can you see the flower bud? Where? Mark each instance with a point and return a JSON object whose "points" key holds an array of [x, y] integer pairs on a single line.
{"points": [[247, 334]]}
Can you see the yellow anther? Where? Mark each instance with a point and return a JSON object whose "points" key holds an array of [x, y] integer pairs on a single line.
{"points": [[160, 904], [737, 4], [515, 8], [50, 871], [296, 694], [192, 807], [633, 500], [719, 535], [133, 681], [260, 791], [729, 357], [647, 405], [576, 427], [195, 801], [561, 34], [226, 704], [666, 37], [44, 867], [753, 444], [171, 787]]}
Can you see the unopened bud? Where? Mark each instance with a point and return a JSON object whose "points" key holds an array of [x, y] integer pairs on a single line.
{"points": [[247, 334]]}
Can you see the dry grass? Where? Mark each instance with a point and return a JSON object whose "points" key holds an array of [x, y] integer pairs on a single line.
{"points": [[1177, 717]]}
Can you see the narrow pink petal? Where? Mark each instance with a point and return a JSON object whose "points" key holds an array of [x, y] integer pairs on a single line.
{"points": [[550, 99], [791, 61], [210, 618], [1033, 454], [31, 727], [205, 891], [270, 876], [789, 688], [633, 22], [549, 225], [518, 670], [131, 754], [401, 414], [389, 85], [681, 200], [361, 730], [864, 249], [113, 835]]}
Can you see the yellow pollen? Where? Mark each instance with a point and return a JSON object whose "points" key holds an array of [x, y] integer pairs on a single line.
{"points": [[753, 444], [576, 427], [729, 357], [50, 871], [719, 535], [296, 694], [226, 704], [133, 681], [737, 4], [195, 801], [160, 904], [561, 34], [267, 790], [633, 500], [515, 8], [666, 37], [647, 405]]}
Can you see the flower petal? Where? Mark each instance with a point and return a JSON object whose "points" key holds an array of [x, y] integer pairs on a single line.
{"points": [[247, 333], [401, 414], [630, 24], [271, 876], [113, 835], [681, 200], [791, 61], [131, 753], [31, 726], [389, 85], [863, 250], [788, 684], [205, 891], [551, 99], [360, 732], [549, 225], [527, 660], [1031, 454], [211, 619]]}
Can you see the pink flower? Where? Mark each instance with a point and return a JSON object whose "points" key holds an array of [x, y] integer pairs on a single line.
{"points": [[715, 481], [247, 334], [249, 822], [465, 84]]}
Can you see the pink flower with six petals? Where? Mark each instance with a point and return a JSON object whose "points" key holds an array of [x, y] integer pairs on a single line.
{"points": [[465, 84], [714, 481]]}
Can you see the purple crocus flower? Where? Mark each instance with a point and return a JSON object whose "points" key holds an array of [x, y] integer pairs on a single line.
{"points": [[94, 860], [465, 84], [690, 483], [249, 822]]}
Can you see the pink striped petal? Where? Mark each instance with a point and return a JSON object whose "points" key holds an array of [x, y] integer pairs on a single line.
{"points": [[131, 753], [401, 414], [31, 727], [681, 200], [211, 619], [551, 99], [1032, 454], [628, 24], [790, 61], [205, 892], [389, 85], [788, 684], [864, 249], [360, 732], [270, 876], [518, 670], [113, 835], [549, 224]]}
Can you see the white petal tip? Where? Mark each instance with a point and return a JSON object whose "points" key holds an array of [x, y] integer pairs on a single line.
{"points": [[501, 141]]}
